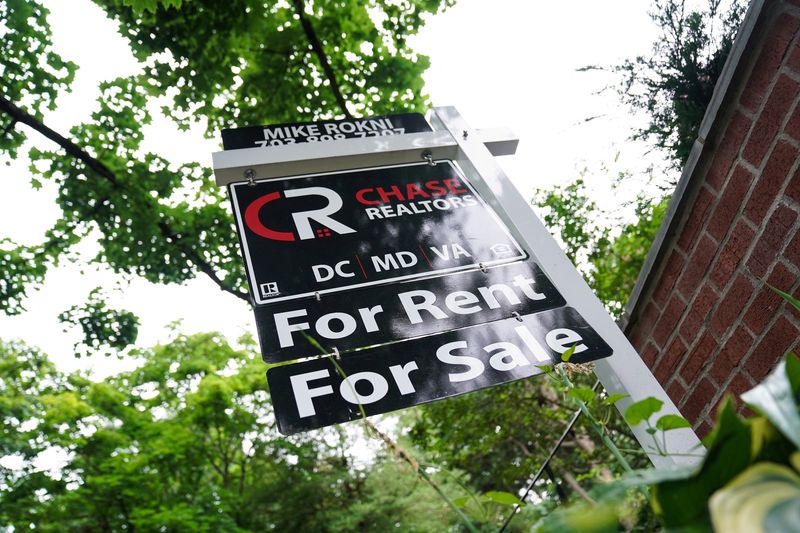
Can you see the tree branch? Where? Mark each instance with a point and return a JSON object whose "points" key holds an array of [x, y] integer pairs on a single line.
{"points": [[22, 116], [316, 46]]}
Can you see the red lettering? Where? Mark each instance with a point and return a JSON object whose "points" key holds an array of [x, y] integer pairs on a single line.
{"points": [[453, 185], [254, 223], [435, 188], [393, 191], [360, 197], [413, 189]]}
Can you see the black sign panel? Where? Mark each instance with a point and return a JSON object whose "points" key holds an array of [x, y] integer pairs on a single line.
{"points": [[323, 130], [330, 232], [375, 315], [312, 394]]}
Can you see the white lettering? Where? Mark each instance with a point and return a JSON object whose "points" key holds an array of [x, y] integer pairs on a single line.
{"points": [[444, 354], [379, 388], [413, 308], [303, 395], [561, 339]]}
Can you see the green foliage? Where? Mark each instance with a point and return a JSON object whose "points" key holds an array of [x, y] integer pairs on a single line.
{"points": [[641, 411], [102, 327], [747, 481], [668, 422], [609, 260], [209, 63], [674, 84], [186, 442], [30, 70], [765, 497]]}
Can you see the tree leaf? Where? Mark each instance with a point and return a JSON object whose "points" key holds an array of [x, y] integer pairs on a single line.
{"points": [[642, 410], [584, 394], [567, 355], [765, 497], [667, 422], [503, 498], [775, 398], [683, 502], [614, 398], [461, 501], [786, 296]]}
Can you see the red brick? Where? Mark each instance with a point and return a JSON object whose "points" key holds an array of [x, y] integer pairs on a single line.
{"points": [[731, 254], [696, 266], [649, 354], [672, 269], [794, 59], [700, 397], [669, 361], [772, 347], [775, 174], [793, 250], [770, 120], [676, 391], [697, 216], [769, 61], [732, 352], [733, 304], [766, 302], [725, 152], [703, 429], [640, 332], [771, 241], [730, 201], [793, 189], [739, 385], [792, 127], [699, 357], [668, 320], [699, 312]]}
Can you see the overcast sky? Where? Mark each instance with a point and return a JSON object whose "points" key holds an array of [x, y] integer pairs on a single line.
{"points": [[501, 63]]}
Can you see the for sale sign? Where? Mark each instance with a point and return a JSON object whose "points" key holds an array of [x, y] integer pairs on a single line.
{"points": [[317, 234], [313, 393]]}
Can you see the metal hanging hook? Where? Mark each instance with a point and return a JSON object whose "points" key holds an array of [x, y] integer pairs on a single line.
{"points": [[317, 296], [482, 267], [427, 155], [250, 174], [336, 354], [516, 315]]}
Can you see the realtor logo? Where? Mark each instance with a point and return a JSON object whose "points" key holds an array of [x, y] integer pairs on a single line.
{"points": [[302, 219], [269, 289]]}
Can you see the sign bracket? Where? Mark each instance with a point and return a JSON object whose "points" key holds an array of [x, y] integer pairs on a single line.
{"points": [[346, 154], [624, 372], [474, 151]]}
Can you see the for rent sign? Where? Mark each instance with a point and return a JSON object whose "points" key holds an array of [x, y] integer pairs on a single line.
{"points": [[313, 394]]}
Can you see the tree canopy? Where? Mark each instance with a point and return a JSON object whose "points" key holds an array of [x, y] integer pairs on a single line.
{"points": [[186, 441]]}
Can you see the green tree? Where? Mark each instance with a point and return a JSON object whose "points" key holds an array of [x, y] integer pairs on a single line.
{"points": [[674, 84], [185, 442], [215, 64]]}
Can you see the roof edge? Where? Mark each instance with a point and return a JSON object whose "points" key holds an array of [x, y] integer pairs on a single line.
{"points": [[739, 50]]}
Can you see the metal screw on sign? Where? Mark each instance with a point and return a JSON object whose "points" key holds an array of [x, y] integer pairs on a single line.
{"points": [[250, 174], [428, 156], [482, 267], [516, 315]]}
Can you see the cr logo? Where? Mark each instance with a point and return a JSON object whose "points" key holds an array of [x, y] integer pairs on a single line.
{"points": [[302, 219]]}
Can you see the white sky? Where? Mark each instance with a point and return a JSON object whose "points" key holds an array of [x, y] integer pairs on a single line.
{"points": [[501, 63]]}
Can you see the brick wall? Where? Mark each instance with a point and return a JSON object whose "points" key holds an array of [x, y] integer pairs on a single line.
{"points": [[708, 324]]}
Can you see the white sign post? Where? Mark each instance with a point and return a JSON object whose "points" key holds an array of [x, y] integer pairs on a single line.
{"points": [[474, 151]]}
